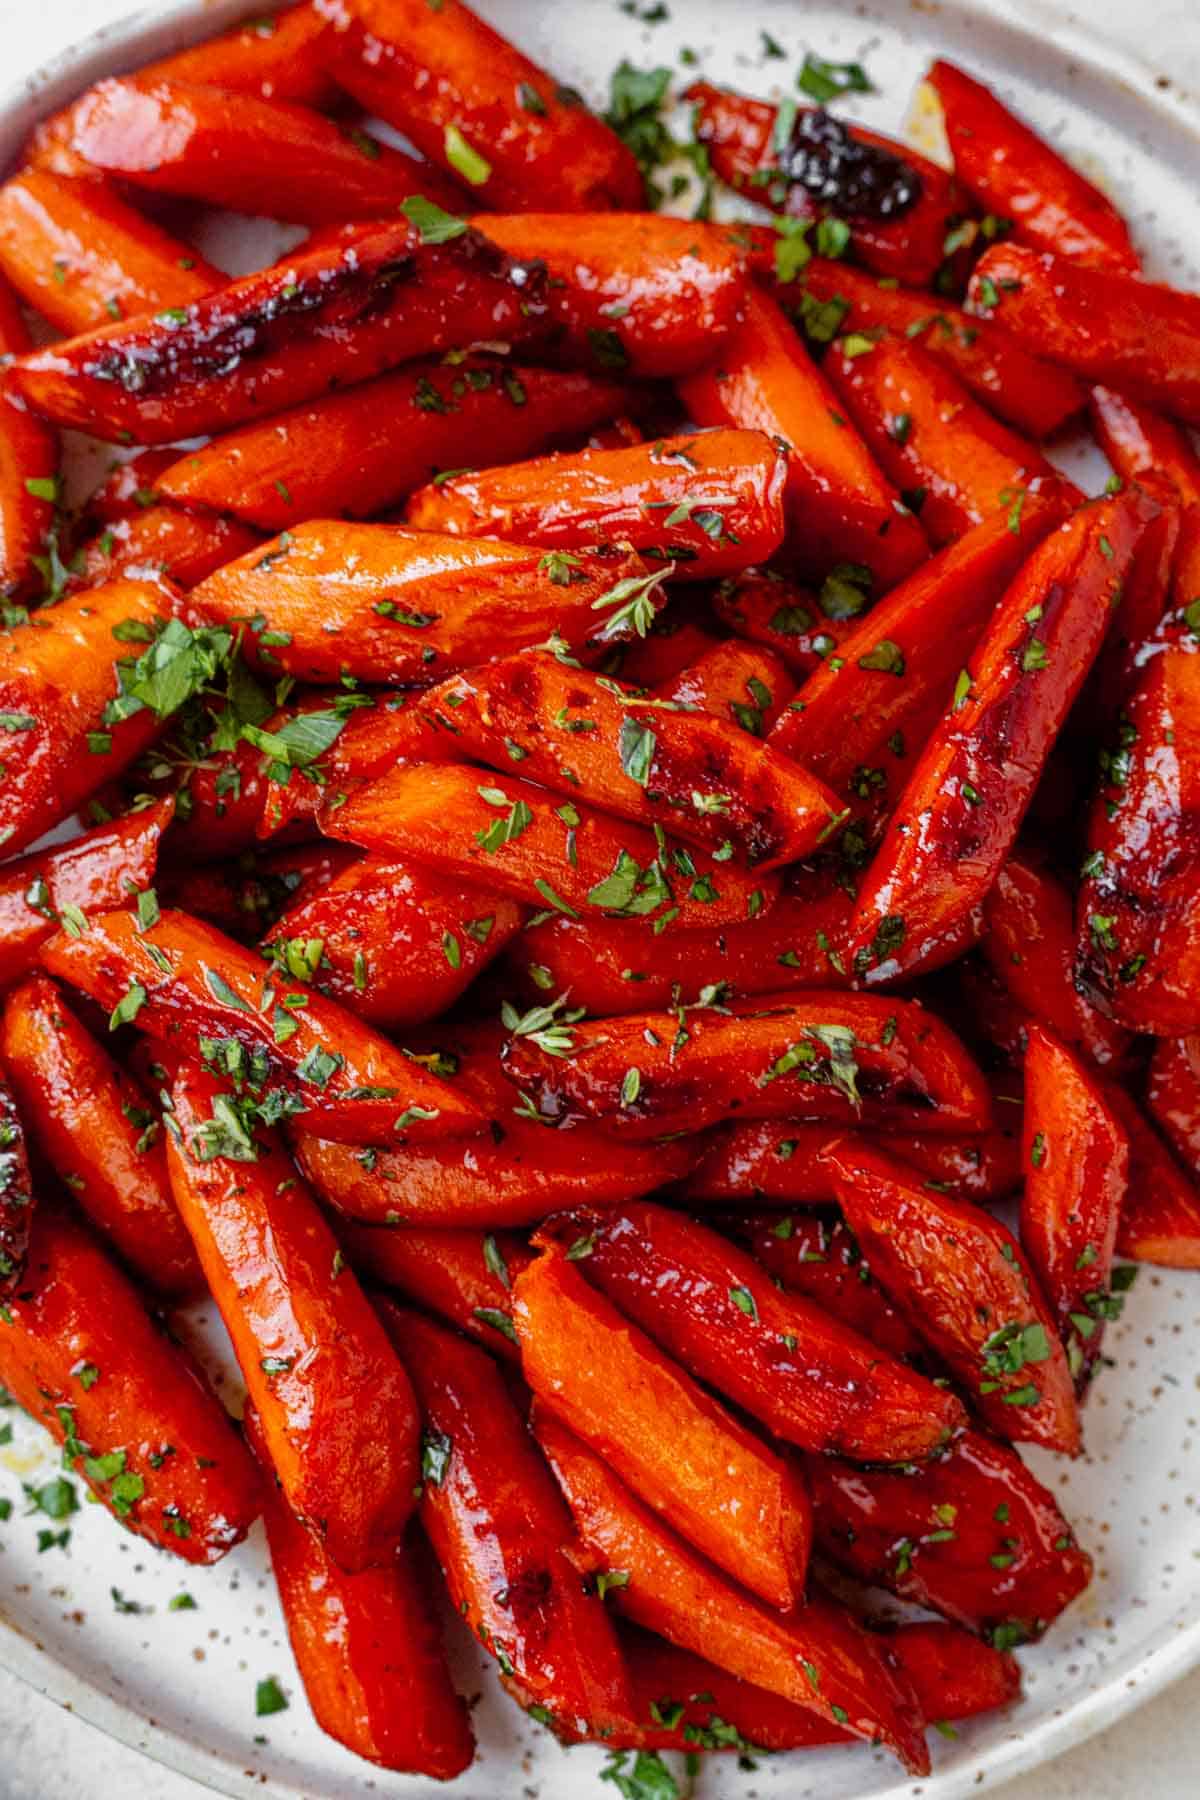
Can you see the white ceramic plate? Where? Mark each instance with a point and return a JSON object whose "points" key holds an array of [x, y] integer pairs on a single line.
{"points": [[181, 1684]]}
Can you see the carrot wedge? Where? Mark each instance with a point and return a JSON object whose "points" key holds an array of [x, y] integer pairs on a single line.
{"points": [[367, 1646], [689, 1458], [129, 1406], [502, 1534], [966, 1286], [797, 1055], [281, 56], [337, 1413], [817, 1658], [1160, 1220], [809, 1379], [16, 1195], [182, 981], [465, 1277]]}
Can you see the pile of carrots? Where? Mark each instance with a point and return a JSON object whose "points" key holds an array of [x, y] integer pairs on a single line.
{"points": [[604, 817]]}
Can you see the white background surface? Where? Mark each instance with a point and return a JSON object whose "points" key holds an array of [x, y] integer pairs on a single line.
{"points": [[46, 1755]]}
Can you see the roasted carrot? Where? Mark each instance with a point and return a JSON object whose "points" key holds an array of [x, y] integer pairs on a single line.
{"points": [[687, 1457], [509, 837], [676, 638], [129, 488], [810, 1380], [840, 507], [972, 1535], [932, 439], [1139, 442], [465, 1276], [385, 603], [767, 608], [98, 1129], [960, 812], [817, 1658], [129, 1406], [582, 734], [186, 547], [795, 1055], [373, 741], [1173, 1095], [326, 317], [245, 898], [294, 1050], [28, 471], [1013, 174], [280, 55], [1112, 328], [16, 1196], [361, 452], [710, 503], [1160, 1220], [745, 685], [501, 1533], [79, 254], [966, 1286]]}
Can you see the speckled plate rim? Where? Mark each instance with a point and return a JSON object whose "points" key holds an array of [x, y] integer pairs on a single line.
{"points": [[150, 32]]}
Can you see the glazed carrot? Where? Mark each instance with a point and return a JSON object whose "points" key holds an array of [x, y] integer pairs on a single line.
{"points": [[582, 734], [501, 1533], [793, 1055], [98, 1130], [864, 712], [326, 317], [766, 608], [373, 741], [509, 837], [465, 1276], [367, 1645], [1127, 333], [501, 1178], [16, 1196], [802, 162], [966, 1286], [1173, 1096], [246, 897], [129, 1406], [338, 1416], [633, 293], [28, 471], [1141, 617], [185, 546], [686, 1456], [810, 1380], [282, 56], [709, 503], [929, 436], [1160, 1220], [1076, 1158], [675, 640], [79, 254], [972, 1535], [960, 812], [385, 603], [840, 507], [58, 674], [233, 150], [182, 981], [1139, 442], [361, 452], [745, 685], [94, 872], [129, 488], [473, 103], [1013, 173], [817, 1658]]}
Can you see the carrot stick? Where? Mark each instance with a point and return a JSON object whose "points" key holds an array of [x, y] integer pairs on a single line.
{"points": [[186, 547], [281, 56], [1139, 442], [373, 741], [766, 608], [464, 1276], [743, 684]]}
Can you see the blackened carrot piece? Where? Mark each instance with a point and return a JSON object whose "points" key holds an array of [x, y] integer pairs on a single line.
{"points": [[799, 1054], [973, 1535], [337, 314], [685, 1455], [1160, 1220], [789, 1364], [746, 685], [1076, 1157], [16, 1195], [57, 676], [710, 503], [840, 506], [818, 1658], [83, 257], [187, 547], [280, 56], [930, 437], [181, 981], [583, 735], [99, 1131], [1173, 1095], [135, 1417], [802, 162], [464, 1276], [967, 1288], [337, 1413], [361, 452], [367, 1645], [385, 603], [501, 1532], [238, 151], [1010, 171], [1139, 442], [766, 608], [866, 710], [472, 103], [960, 812], [1138, 335], [510, 837]]}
